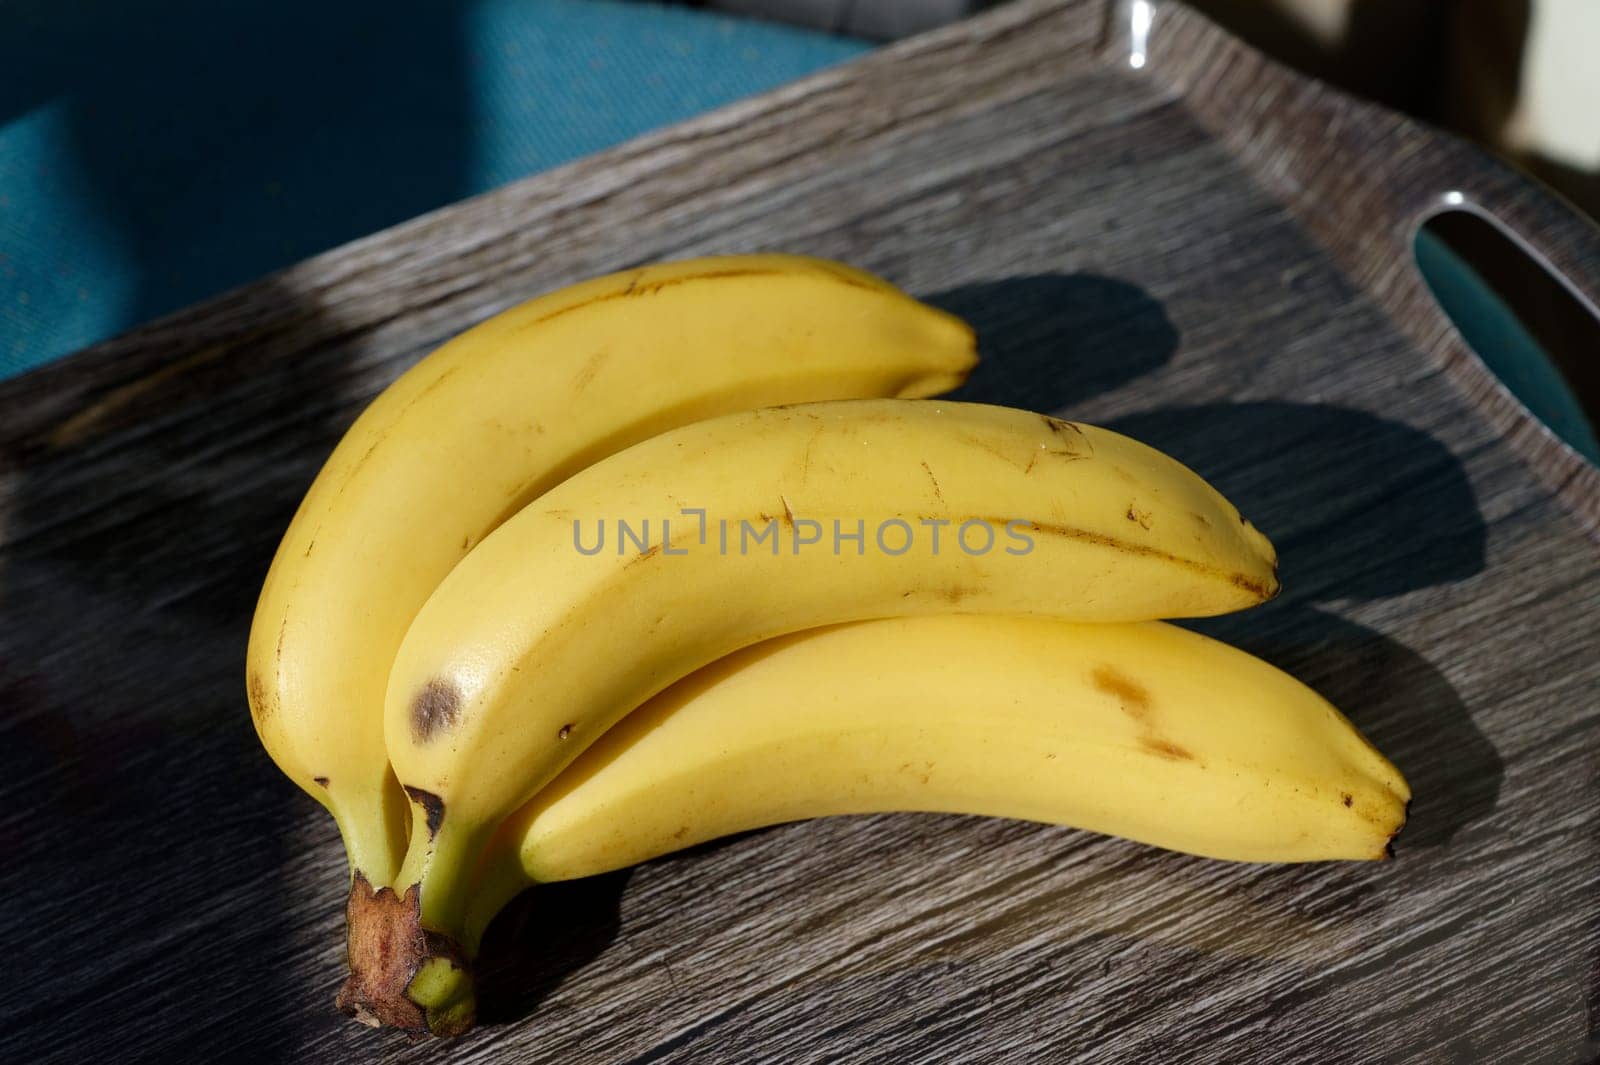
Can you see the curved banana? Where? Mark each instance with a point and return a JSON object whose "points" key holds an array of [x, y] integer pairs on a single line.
{"points": [[538, 641], [1145, 731], [496, 417]]}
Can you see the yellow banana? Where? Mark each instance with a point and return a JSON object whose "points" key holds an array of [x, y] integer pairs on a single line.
{"points": [[1141, 730], [1145, 731], [495, 418], [538, 641]]}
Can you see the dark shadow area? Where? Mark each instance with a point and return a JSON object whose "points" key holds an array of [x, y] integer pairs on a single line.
{"points": [[1487, 42], [1359, 508], [542, 936], [159, 875], [147, 861], [1392, 53], [1051, 340], [1591, 978], [552, 930], [1395, 697], [223, 142]]}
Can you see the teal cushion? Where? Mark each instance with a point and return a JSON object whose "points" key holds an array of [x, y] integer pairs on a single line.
{"points": [[156, 153], [1493, 330]]}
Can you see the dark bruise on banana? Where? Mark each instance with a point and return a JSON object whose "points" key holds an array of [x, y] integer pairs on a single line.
{"points": [[1134, 700], [432, 807], [435, 709]]}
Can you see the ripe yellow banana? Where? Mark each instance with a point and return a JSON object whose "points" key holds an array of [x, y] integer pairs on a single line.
{"points": [[1145, 731], [538, 641], [495, 418]]}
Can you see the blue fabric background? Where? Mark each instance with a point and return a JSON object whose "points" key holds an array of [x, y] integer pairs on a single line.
{"points": [[1504, 344], [157, 152]]}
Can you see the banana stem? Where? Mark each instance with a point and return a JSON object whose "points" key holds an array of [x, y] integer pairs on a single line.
{"points": [[375, 849], [402, 975], [409, 968], [439, 864]]}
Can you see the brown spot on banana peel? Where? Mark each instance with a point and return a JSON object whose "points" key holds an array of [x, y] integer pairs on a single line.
{"points": [[1347, 799], [805, 456], [386, 947], [591, 367], [1131, 695], [936, 491], [1166, 749], [1388, 844], [1062, 456], [1069, 453], [788, 511], [984, 445], [648, 553], [260, 700], [1263, 590], [1060, 427], [435, 709], [432, 807], [323, 781], [1073, 435], [349, 474], [845, 279], [1134, 699], [430, 387], [1064, 429], [637, 288]]}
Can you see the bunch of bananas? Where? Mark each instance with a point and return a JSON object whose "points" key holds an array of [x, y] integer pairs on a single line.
{"points": [[686, 551]]}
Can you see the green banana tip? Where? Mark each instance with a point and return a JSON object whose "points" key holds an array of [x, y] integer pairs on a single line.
{"points": [[401, 975]]}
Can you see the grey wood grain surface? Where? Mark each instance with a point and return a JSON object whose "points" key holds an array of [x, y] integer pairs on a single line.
{"points": [[1205, 252]]}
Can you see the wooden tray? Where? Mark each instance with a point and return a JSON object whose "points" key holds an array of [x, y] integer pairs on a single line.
{"points": [[1205, 251]]}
